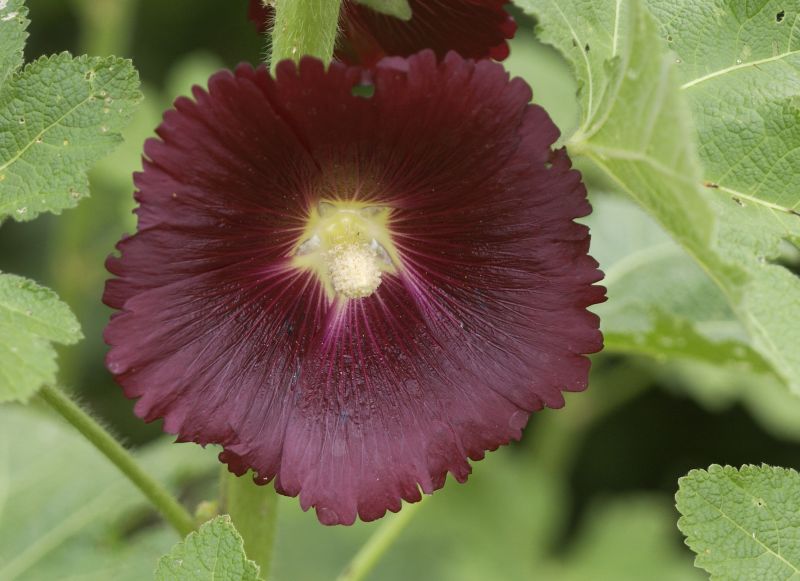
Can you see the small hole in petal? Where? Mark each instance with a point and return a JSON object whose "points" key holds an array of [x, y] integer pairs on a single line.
{"points": [[780, 16], [363, 91]]}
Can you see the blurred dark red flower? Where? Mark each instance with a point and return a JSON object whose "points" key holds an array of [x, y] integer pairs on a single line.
{"points": [[473, 28], [351, 295]]}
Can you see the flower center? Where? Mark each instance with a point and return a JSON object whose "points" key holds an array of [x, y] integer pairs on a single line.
{"points": [[355, 269], [347, 245]]}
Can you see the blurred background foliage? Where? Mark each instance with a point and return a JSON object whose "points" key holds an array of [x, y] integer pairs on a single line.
{"points": [[587, 494]]}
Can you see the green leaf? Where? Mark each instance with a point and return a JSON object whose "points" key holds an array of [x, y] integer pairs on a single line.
{"points": [[397, 8], [13, 23], [732, 211], [215, 552], [743, 84], [31, 318], [67, 514], [661, 303], [58, 116], [743, 524], [635, 124], [663, 306]]}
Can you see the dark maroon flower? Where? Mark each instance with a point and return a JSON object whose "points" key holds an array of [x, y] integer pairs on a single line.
{"points": [[354, 296], [473, 28]]}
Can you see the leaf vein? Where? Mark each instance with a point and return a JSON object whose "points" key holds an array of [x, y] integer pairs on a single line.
{"points": [[737, 67]]}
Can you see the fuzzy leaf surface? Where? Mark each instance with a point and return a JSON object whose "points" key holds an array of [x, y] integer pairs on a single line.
{"points": [[705, 161], [213, 553], [31, 319], [12, 36], [58, 116], [740, 71], [743, 524], [661, 303]]}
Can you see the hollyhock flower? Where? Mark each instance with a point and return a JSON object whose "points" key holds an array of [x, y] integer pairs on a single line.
{"points": [[354, 296], [473, 28]]}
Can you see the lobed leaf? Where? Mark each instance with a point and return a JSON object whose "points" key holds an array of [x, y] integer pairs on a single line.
{"points": [[31, 318], [743, 524], [650, 118], [739, 67], [215, 552], [58, 117]]}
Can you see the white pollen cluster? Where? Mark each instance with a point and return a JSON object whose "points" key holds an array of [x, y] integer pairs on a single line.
{"points": [[355, 269]]}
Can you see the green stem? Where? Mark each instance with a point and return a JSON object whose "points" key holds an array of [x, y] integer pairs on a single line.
{"points": [[253, 510], [170, 508], [106, 26], [305, 27], [383, 538]]}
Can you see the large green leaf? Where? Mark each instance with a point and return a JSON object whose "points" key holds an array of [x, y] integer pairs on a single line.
{"points": [[743, 524], [739, 67], [58, 116], [66, 513], [31, 319], [661, 303], [214, 553], [637, 126]]}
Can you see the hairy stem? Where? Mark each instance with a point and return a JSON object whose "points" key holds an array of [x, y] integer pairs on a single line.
{"points": [[160, 497], [305, 27], [368, 555], [254, 511]]}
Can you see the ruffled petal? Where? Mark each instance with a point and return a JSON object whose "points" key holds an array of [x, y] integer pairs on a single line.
{"points": [[355, 404]]}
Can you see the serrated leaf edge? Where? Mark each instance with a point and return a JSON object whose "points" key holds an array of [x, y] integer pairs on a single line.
{"points": [[725, 470]]}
